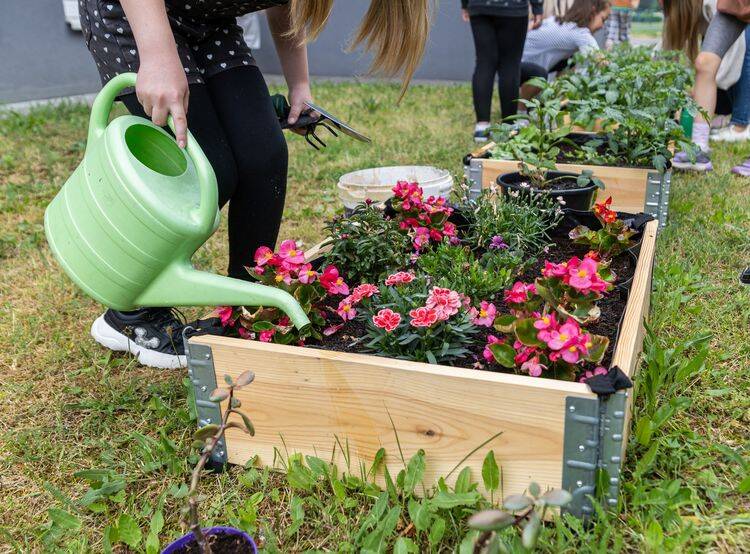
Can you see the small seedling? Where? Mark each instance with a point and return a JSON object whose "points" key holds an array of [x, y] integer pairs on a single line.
{"points": [[524, 512], [206, 438]]}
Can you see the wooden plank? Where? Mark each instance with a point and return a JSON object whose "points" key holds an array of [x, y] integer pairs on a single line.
{"points": [[310, 397], [626, 185], [629, 347]]}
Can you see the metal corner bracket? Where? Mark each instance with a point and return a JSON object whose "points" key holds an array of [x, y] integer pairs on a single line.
{"points": [[473, 174], [592, 450], [200, 363], [657, 196]]}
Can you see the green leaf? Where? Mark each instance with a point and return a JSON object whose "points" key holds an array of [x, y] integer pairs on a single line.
{"points": [[491, 520], [526, 332], [317, 466], [463, 481], [205, 432], [128, 531], [63, 519], [598, 348], [744, 486], [419, 513], [490, 472], [405, 545], [503, 354], [260, 326], [534, 489], [152, 544], [436, 531], [447, 500], [246, 420], [504, 323], [414, 472]]}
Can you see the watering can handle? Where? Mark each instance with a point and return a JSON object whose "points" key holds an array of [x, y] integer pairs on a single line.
{"points": [[98, 123]]}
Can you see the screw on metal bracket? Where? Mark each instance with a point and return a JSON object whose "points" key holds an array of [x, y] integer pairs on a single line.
{"points": [[580, 453], [611, 428]]}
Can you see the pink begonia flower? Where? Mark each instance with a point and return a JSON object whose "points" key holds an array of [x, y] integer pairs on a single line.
{"points": [[266, 336], [283, 276], [555, 270], [545, 324], [225, 315], [399, 278], [583, 274], [333, 282], [364, 290], [519, 293], [533, 367], [263, 255], [290, 253], [445, 302], [259, 270], [487, 353], [485, 315], [346, 310], [589, 374], [332, 330], [559, 338], [423, 317], [576, 349], [307, 274], [245, 334], [449, 229], [387, 319], [284, 321], [422, 238]]}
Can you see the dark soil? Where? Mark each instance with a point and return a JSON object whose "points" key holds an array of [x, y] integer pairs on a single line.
{"points": [[562, 249], [221, 543], [560, 184]]}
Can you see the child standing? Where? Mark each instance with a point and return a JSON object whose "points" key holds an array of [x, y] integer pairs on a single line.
{"points": [[619, 22]]}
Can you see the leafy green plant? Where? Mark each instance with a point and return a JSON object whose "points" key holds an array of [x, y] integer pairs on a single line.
{"points": [[522, 512], [206, 439], [523, 224], [480, 277], [537, 177], [368, 244], [612, 239]]}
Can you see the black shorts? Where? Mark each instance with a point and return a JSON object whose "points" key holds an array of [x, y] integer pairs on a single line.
{"points": [[206, 33]]}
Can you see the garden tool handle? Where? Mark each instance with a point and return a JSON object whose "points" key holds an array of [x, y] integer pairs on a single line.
{"points": [[100, 110]]}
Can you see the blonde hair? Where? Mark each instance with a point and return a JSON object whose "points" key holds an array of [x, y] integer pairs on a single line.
{"points": [[682, 23], [394, 31]]}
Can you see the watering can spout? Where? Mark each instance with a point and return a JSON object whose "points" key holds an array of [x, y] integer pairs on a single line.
{"points": [[181, 284]]}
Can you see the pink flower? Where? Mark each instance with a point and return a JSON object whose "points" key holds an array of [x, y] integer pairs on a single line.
{"points": [[364, 291], [225, 315], [523, 352], [545, 324], [576, 349], [332, 330], [423, 317], [559, 339], [333, 282], [245, 334], [533, 367], [485, 315], [291, 254], [346, 310], [421, 238], [449, 229], [306, 274], [555, 270], [283, 276], [583, 274], [487, 353], [404, 189], [387, 319], [589, 374], [266, 336], [519, 293], [263, 255], [399, 278], [445, 302]]}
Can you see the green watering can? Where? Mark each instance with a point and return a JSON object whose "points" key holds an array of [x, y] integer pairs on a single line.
{"points": [[126, 223]]}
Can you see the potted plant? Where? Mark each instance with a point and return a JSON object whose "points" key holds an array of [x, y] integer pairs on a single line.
{"points": [[574, 191], [214, 540]]}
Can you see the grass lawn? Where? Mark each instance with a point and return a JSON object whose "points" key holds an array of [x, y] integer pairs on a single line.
{"points": [[94, 447]]}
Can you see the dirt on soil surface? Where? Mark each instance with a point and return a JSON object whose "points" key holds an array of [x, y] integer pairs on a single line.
{"points": [[562, 249], [221, 543]]}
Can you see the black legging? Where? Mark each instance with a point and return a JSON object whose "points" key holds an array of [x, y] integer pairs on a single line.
{"points": [[233, 120], [499, 45]]}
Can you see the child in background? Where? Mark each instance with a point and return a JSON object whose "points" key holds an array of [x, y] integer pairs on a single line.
{"points": [[620, 20]]}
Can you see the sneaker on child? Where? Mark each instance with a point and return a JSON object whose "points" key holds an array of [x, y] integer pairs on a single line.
{"points": [[683, 161], [152, 335], [732, 134]]}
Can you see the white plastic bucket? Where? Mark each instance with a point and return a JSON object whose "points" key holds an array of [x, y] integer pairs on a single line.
{"points": [[375, 184]]}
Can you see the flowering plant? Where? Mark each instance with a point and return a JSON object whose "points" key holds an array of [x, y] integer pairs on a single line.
{"points": [[289, 270], [573, 287], [425, 219], [612, 239], [404, 321]]}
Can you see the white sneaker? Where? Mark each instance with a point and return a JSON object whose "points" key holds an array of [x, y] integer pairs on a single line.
{"points": [[731, 134]]}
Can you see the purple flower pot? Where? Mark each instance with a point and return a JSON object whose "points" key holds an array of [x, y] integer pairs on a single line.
{"points": [[177, 545]]}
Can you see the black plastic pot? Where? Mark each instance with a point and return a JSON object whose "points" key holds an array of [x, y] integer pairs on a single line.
{"points": [[577, 199]]}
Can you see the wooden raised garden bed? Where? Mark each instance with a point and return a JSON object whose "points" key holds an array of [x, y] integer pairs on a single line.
{"points": [[632, 189], [344, 407]]}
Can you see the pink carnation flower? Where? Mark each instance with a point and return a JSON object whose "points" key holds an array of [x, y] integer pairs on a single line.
{"points": [[387, 319], [399, 278], [364, 291], [445, 302], [423, 317]]}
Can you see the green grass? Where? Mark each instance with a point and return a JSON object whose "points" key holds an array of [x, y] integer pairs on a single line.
{"points": [[646, 29], [68, 406]]}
